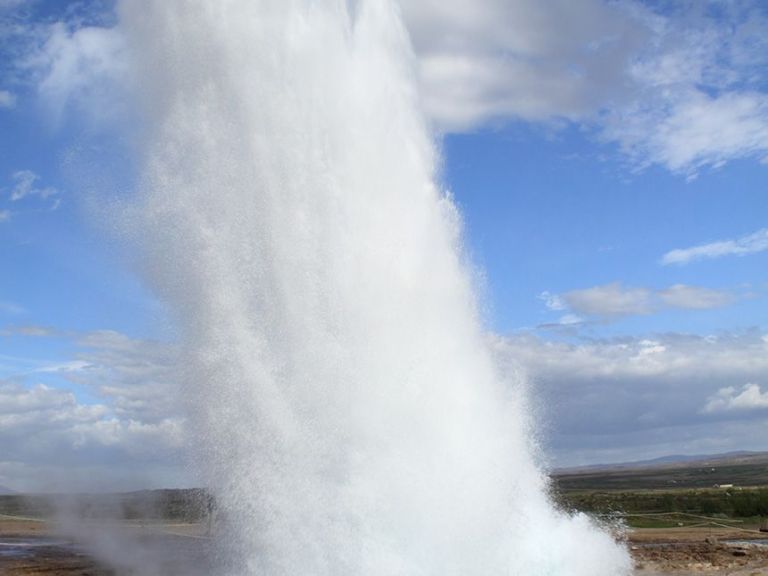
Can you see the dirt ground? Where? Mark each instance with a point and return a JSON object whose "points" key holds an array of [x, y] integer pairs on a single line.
{"points": [[698, 551], [657, 552], [30, 548], [52, 557]]}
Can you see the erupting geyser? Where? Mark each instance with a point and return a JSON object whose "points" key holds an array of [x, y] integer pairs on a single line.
{"points": [[347, 412]]}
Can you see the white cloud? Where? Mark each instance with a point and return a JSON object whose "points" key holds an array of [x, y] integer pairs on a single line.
{"points": [[70, 366], [697, 130], [7, 99], [25, 186], [694, 297], [621, 398], [84, 67], [749, 244], [5, 215], [75, 65], [684, 356], [42, 426], [728, 399], [135, 423], [610, 300], [676, 87], [138, 377], [700, 95], [484, 61], [628, 398], [552, 301], [680, 87], [570, 320]]}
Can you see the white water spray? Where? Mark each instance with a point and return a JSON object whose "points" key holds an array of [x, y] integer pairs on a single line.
{"points": [[347, 412]]}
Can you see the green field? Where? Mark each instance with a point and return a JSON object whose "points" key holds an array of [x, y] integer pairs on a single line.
{"points": [[728, 491], [744, 471], [189, 505], [658, 496]]}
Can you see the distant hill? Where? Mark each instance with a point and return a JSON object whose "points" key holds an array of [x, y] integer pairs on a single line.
{"points": [[6, 491], [700, 471], [675, 461]]}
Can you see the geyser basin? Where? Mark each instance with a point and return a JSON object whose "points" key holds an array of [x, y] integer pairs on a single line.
{"points": [[348, 413]]}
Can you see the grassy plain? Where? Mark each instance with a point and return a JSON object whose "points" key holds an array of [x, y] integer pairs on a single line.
{"points": [[726, 490]]}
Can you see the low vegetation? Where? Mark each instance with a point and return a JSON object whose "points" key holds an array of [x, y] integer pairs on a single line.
{"points": [[641, 507], [190, 505], [666, 495], [670, 495]]}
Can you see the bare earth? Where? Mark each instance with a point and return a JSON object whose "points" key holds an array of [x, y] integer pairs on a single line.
{"points": [[29, 548], [698, 551]]}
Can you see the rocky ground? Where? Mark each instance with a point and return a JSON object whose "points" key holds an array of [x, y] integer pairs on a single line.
{"points": [[698, 551], [30, 548]]}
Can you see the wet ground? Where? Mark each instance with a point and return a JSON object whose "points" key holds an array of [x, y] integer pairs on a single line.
{"points": [[34, 549]]}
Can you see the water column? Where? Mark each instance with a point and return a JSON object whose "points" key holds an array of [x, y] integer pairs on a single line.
{"points": [[343, 404]]}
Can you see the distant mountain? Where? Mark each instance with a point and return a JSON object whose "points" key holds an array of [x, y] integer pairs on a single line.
{"points": [[6, 491], [674, 460]]}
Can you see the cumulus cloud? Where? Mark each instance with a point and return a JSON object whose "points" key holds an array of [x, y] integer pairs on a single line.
{"points": [[119, 411], [750, 397], [484, 61], [611, 301], [619, 398], [44, 426], [749, 244], [694, 297], [682, 86], [138, 377], [639, 397]]}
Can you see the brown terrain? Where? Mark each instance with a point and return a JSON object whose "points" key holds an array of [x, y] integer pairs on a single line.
{"points": [[700, 551], [657, 552], [35, 548]]}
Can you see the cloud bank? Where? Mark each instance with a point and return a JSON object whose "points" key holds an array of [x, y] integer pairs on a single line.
{"points": [[120, 423], [639, 397], [113, 420]]}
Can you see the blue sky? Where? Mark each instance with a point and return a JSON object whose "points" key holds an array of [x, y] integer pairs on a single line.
{"points": [[558, 214], [609, 160]]}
